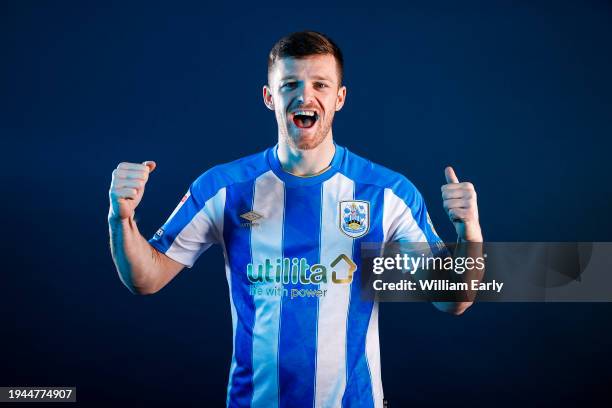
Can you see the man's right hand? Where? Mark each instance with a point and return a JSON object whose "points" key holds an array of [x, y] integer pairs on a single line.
{"points": [[127, 187]]}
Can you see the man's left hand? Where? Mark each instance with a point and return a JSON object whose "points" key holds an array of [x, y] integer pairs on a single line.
{"points": [[459, 201]]}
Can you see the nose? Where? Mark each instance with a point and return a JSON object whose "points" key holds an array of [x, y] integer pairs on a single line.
{"points": [[304, 96]]}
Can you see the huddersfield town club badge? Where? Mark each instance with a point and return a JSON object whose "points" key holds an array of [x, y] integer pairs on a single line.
{"points": [[354, 218]]}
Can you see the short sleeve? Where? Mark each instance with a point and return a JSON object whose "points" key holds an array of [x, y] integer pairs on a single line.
{"points": [[407, 217], [195, 224]]}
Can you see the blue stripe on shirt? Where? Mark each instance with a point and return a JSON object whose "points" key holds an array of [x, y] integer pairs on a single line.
{"points": [[358, 378], [239, 200], [298, 330]]}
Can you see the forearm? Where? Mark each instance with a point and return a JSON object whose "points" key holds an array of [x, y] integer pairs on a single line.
{"points": [[135, 259], [467, 250]]}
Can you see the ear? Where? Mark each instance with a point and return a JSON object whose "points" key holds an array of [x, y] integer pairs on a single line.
{"points": [[267, 97], [341, 98]]}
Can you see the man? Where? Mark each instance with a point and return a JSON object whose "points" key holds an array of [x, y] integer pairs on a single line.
{"points": [[290, 220]]}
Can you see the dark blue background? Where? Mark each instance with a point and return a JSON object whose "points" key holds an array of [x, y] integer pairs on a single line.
{"points": [[516, 96]]}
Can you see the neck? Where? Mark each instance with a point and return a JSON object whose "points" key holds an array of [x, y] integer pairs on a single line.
{"points": [[306, 162]]}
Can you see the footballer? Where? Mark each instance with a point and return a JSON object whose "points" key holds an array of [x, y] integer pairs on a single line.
{"points": [[290, 221]]}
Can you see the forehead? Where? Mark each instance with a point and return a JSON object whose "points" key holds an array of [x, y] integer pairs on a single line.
{"points": [[321, 66]]}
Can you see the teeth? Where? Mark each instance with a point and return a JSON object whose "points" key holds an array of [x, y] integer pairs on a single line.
{"points": [[304, 112]]}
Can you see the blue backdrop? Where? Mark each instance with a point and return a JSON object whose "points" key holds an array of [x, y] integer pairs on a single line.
{"points": [[516, 97]]}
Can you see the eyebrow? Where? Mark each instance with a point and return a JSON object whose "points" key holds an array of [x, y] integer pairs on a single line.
{"points": [[317, 77]]}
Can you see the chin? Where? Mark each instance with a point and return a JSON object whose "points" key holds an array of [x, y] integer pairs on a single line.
{"points": [[308, 142]]}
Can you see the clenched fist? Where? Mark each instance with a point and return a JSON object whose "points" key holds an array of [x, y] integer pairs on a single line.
{"points": [[127, 187], [459, 201]]}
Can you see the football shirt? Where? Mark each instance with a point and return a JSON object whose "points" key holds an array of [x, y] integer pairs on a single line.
{"points": [[302, 335]]}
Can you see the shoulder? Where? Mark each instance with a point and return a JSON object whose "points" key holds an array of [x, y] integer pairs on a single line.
{"points": [[223, 175], [365, 171]]}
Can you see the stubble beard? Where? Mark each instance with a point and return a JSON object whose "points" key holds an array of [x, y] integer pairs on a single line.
{"points": [[300, 143]]}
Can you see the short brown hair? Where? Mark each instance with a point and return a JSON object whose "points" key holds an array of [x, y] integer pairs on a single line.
{"points": [[305, 43]]}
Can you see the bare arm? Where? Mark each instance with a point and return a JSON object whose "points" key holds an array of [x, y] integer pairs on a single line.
{"points": [[459, 201], [465, 249], [141, 268]]}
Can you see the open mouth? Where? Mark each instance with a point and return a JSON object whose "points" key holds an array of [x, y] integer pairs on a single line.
{"points": [[305, 119]]}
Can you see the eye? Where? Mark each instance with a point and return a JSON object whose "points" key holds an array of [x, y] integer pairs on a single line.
{"points": [[320, 85], [289, 85]]}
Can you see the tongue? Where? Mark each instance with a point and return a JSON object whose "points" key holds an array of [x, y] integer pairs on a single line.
{"points": [[303, 121]]}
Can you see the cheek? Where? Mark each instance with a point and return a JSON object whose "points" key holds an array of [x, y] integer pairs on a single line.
{"points": [[329, 103], [279, 107]]}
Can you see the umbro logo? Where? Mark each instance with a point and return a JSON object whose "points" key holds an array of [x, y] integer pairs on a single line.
{"points": [[251, 217]]}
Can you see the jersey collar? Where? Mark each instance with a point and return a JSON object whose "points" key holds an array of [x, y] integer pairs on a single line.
{"points": [[292, 180]]}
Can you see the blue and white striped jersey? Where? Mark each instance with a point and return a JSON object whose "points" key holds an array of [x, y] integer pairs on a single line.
{"points": [[302, 335]]}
